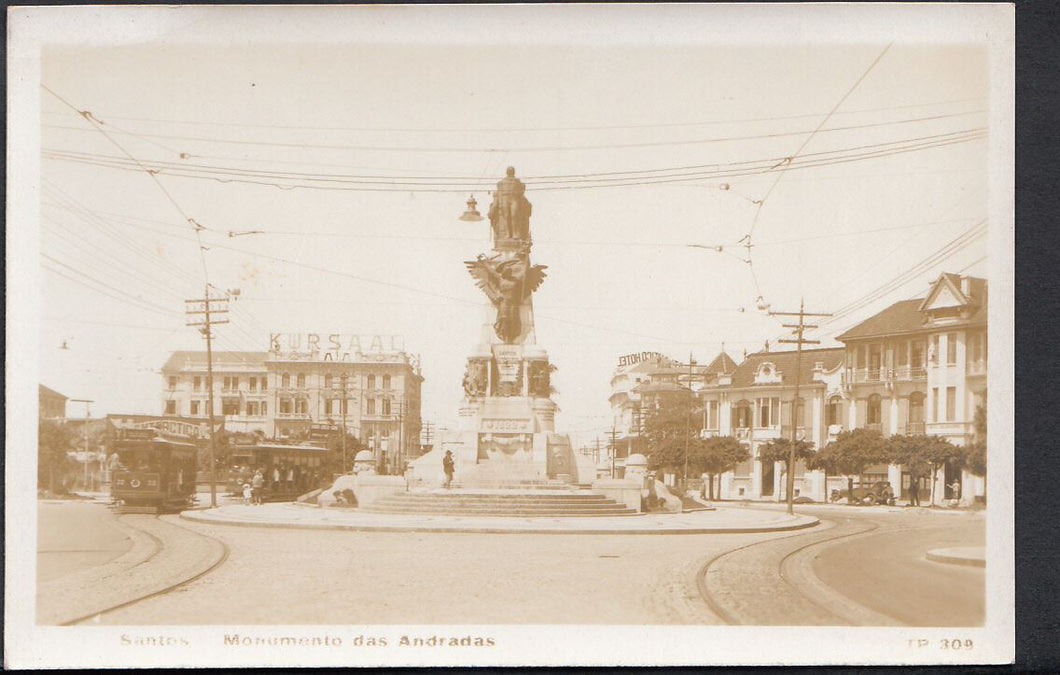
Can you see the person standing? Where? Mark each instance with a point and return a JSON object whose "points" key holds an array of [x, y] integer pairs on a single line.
{"points": [[448, 467], [257, 485], [914, 490]]}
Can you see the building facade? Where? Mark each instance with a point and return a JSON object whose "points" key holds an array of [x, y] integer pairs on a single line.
{"points": [[752, 403], [917, 367], [920, 367], [51, 404], [290, 393]]}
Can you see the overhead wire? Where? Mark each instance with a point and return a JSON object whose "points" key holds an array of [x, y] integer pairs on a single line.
{"points": [[243, 125]]}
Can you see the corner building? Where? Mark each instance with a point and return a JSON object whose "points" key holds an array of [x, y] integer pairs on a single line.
{"points": [[287, 394]]}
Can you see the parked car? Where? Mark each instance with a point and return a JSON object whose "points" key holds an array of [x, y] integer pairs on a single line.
{"points": [[879, 492]]}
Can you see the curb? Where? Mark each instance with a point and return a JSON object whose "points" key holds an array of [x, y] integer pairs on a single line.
{"points": [[968, 556], [802, 522]]}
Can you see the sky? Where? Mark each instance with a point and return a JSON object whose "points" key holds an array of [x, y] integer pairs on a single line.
{"points": [[285, 137]]}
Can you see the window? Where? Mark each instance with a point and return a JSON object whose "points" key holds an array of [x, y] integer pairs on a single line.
{"points": [[285, 380], [235, 383], [230, 406], [916, 354], [285, 406], [386, 406], [951, 349], [861, 356], [172, 381], [194, 408], [264, 384], [933, 351], [197, 383], [916, 408], [264, 409], [712, 415], [743, 415], [301, 380], [252, 383], [902, 353], [831, 411], [171, 407], [386, 382], [371, 406], [767, 412], [875, 361], [935, 404], [874, 412], [301, 407], [951, 404], [371, 382], [328, 382], [252, 409]]}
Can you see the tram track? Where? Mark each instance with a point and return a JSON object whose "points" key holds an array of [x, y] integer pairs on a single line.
{"points": [[179, 556], [767, 582]]}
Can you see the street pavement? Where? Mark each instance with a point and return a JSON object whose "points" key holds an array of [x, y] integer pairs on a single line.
{"points": [[75, 536], [861, 566]]}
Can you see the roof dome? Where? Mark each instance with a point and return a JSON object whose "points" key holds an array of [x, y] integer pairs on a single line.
{"points": [[636, 459], [364, 456]]}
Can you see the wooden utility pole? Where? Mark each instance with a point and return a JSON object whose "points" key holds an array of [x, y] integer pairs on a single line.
{"points": [[344, 376], [192, 309], [799, 341], [87, 402], [614, 450]]}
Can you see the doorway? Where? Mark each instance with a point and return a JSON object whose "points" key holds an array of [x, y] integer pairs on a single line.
{"points": [[767, 478]]}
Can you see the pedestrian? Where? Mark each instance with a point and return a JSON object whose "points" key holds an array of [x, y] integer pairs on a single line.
{"points": [[914, 490], [257, 485], [955, 491], [448, 468], [248, 493], [276, 478], [290, 477]]}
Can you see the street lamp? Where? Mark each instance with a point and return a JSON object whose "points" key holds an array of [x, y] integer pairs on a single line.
{"points": [[471, 215]]}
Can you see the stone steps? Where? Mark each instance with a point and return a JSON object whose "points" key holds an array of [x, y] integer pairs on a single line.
{"points": [[499, 504]]}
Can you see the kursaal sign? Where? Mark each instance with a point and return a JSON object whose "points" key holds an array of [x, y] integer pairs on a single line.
{"points": [[330, 345]]}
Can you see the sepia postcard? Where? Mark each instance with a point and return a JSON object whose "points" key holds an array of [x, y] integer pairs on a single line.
{"points": [[509, 335]]}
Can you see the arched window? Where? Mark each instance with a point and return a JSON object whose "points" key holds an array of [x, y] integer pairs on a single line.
{"points": [[831, 411], [301, 380], [874, 414]]}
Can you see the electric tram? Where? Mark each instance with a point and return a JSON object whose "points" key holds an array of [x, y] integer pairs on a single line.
{"points": [[288, 471], [152, 471]]}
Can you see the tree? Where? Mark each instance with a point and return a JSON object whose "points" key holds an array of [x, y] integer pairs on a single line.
{"points": [[717, 455], [941, 452], [850, 454], [779, 450], [333, 463], [975, 452], [54, 441], [668, 430]]}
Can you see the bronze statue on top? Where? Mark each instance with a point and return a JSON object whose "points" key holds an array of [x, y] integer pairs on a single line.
{"points": [[510, 211]]}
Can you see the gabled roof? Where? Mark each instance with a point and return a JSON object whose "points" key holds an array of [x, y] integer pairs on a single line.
{"points": [[722, 363], [907, 316], [46, 391], [784, 362], [189, 359]]}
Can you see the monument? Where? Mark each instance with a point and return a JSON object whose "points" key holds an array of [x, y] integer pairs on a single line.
{"points": [[507, 433]]}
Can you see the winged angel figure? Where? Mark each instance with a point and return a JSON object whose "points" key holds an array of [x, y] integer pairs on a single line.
{"points": [[507, 283]]}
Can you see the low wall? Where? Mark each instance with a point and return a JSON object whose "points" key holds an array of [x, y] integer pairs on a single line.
{"points": [[628, 492], [367, 488]]}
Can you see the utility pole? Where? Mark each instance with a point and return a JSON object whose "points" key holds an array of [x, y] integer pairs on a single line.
{"points": [[84, 478], [344, 376], [688, 420], [799, 341], [614, 449], [194, 308]]}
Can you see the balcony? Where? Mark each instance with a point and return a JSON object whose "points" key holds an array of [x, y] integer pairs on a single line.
{"points": [[767, 433], [800, 433], [292, 416], [914, 429], [908, 373], [742, 433]]}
